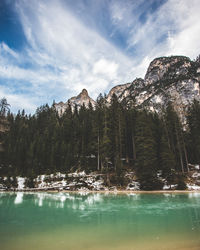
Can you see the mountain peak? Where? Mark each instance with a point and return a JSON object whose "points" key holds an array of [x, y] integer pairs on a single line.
{"points": [[79, 100], [84, 93]]}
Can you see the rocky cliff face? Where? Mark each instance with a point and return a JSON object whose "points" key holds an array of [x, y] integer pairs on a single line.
{"points": [[118, 90], [79, 100], [168, 79], [82, 98]]}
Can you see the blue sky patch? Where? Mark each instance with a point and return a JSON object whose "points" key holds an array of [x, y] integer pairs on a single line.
{"points": [[53, 49]]}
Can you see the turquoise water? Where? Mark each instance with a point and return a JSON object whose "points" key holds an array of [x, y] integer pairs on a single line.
{"points": [[99, 221]]}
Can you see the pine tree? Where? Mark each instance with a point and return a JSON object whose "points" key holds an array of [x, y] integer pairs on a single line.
{"points": [[4, 107], [146, 165], [117, 131], [193, 122], [174, 132]]}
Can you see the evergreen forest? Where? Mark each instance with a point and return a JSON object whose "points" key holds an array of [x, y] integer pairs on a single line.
{"points": [[110, 138]]}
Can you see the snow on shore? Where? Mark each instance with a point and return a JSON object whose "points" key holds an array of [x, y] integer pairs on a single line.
{"points": [[21, 183], [82, 182], [193, 187]]}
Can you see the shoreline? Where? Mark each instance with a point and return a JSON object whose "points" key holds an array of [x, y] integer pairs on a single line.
{"points": [[104, 191]]}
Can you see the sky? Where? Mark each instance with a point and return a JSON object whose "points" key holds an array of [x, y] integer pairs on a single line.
{"points": [[52, 49]]}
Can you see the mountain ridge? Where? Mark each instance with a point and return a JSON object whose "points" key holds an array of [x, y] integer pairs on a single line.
{"points": [[174, 79]]}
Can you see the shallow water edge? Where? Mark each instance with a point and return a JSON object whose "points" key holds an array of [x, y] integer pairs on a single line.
{"points": [[103, 191]]}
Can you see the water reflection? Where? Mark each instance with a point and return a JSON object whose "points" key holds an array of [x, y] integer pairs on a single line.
{"points": [[130, 216], [153, 203], [19, 198], [60, 200], [98, 203]]}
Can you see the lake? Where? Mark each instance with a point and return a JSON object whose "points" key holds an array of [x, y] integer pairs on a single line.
{"points": [[99, 221]]}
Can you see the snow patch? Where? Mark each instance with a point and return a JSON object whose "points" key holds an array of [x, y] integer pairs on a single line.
{"points": [[196, 175], [168, 187], [21, 183], [193, 187], [77, 174], [133, 186]]}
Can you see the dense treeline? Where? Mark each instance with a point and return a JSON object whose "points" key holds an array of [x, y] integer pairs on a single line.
{"points": [[109, 138]]}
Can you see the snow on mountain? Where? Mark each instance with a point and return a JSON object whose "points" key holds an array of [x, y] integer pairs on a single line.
{"points": [[172, 79], [82, 99], [168, 79]]}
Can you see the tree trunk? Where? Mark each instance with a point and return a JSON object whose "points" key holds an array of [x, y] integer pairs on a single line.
{"points": [[134, 150], [179, 149], [98, 165], [185, 152]]}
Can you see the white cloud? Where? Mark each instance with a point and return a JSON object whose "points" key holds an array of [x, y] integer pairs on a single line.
{"points": [[4, 48], [18, 101], [173, 29], [64, 53], [125, 13], [187, 22], [65, 56], [106, 68]]}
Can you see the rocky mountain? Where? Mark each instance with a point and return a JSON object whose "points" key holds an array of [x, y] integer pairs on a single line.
{"points": [[79, 100], [118, 90], [168, 79]]}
